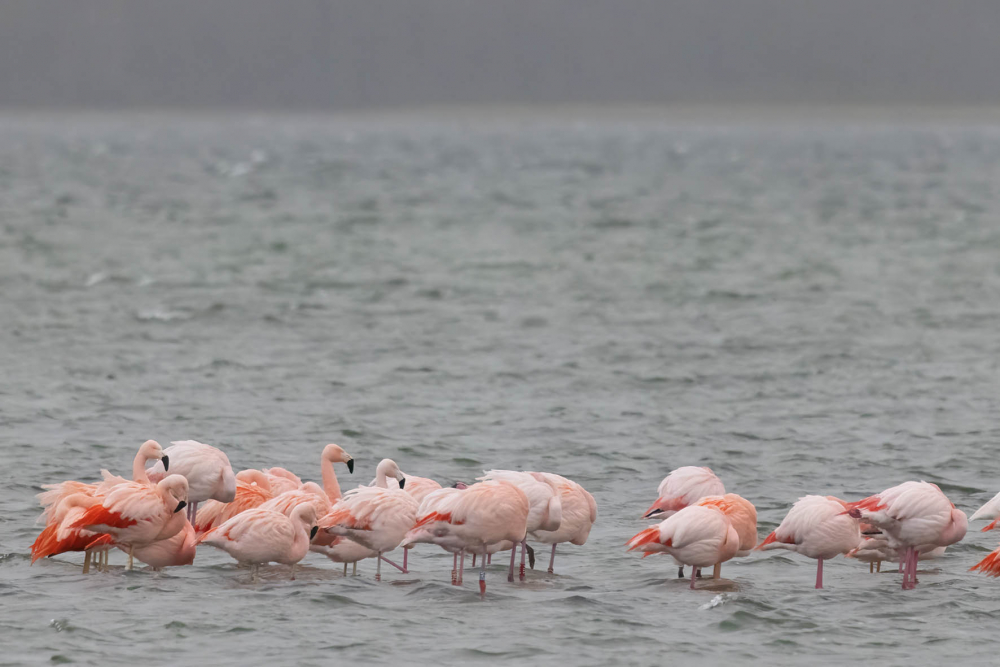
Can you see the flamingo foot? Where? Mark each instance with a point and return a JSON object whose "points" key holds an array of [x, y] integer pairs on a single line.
{"points": [[680, 572], [482, 584]]}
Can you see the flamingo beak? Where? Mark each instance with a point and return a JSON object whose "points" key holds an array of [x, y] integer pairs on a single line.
{"points": [[312, 533], [350, 466], [181, 505], [402, 481], [166, 462]]}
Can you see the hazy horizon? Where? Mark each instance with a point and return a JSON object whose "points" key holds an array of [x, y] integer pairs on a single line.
{"points": [[323, 55]]}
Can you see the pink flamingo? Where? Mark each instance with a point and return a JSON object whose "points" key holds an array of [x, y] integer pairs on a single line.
{"points": [[819, 527], [473, 519], [682, 487], [697, 535], [991, 510], [910, 515], [579, 512], [418, 487], [742, 514], [252, 490], [282, 480], [173, 551], [544, 500], [57, 537], [874, 550], [375, 518], [137, 514], [207, 470], [260, 536]]}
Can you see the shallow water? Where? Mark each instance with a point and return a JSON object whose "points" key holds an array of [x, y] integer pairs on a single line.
{"points": [[808, 309]]}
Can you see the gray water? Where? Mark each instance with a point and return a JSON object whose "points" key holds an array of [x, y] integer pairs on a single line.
{"points": [[812, 308]]}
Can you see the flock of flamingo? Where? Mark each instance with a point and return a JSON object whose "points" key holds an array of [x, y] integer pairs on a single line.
{"points": [[265, 516]]}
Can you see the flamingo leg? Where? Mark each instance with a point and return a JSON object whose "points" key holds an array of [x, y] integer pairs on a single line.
{"points": [[354, 569], [473, 560], [391, 563], [916, 560], [693, 570], [489, 560], [819, 573], [552, 560], [905, 562], [454, 569], [345, 569], [878, 566], [717, 571], [680, 572], [131, 552], [293, 572], [871, 567], [86, 562], [524, 547], [482, 577], [510, 573], [378, 568], [406, 552]]}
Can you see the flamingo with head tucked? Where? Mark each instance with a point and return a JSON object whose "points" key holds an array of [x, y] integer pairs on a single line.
{"points": [[579, 512], [252, 490], [207, 470]]}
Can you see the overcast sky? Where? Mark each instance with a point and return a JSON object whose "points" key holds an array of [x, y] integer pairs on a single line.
{"points": [[353, 54]]}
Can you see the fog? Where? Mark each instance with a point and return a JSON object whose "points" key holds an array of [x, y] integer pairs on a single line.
{"points": [[356, 54]]}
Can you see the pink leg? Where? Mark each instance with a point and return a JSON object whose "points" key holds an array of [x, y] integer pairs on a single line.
{"points": [[916, 562], [819, 573], [552, 560], [693, 570], [489, 559], [461, 567], [524, 547], [482, 578], [473, 560], [393, 564], [510, 573], [454, 570], [905, 561], [406, 552]]}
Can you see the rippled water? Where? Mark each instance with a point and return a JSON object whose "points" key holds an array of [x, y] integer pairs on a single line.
{"points": [[813, 308]]}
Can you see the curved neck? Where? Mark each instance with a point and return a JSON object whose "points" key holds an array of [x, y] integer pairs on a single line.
{"points": [[139, 468], [380, 479], [330, 483]]}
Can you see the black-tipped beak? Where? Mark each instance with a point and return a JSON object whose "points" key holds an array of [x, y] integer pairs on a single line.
{"points": [[166, 463], [402, 481], [459, 485], [181, 505], [312, 533], [350, 466], [653, 513]]}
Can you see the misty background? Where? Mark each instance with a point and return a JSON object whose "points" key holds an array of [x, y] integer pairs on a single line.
{"points": [[356, 54]]}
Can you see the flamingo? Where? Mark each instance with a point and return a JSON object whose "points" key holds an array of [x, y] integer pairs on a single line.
{"points": [[697, 535], [375, 518], [912, 514], [252, 490], [875, 549], [207, 469], [282, 480], [472, 519], [261, 535], [579, 512], [173, 551], [57, 536], [742, 514], [545, 504], [682, 487], [819, 527], [991, 510], [137, 514]]}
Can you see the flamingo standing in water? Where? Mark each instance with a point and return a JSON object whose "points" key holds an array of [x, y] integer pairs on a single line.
{"points": [[252, 490], [260, 536], [55, 494], [913, 515], [58, 537], [207, 470], [282, 480], [375, 518], [743, 516], [819, 527], [418, 487], [472, 519], [681, 488], [173, 551], [991, 510], [697, 535], [544, 501], [579, 512], [136, 514]]}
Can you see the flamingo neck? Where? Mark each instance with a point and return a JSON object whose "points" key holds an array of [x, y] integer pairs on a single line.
{"points": [[330, 483], [139, 468]]}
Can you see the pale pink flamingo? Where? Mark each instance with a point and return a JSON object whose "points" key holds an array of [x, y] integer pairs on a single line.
{"points": [[683, 487], [282, 480], [137, 514], [207, 470], [697, 535], [819, 527], [472, 519], [375, 518], [579, 512], [252, 490], [173, 551], [910, 515], [260, 536], [742, 514], [544, 500], [874, 550]]}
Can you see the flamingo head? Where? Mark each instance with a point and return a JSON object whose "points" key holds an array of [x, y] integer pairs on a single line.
{"points": [[336, 454], [152, 450]]}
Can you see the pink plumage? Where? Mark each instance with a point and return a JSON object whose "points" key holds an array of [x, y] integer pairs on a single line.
{"points": [[683, 487]]}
